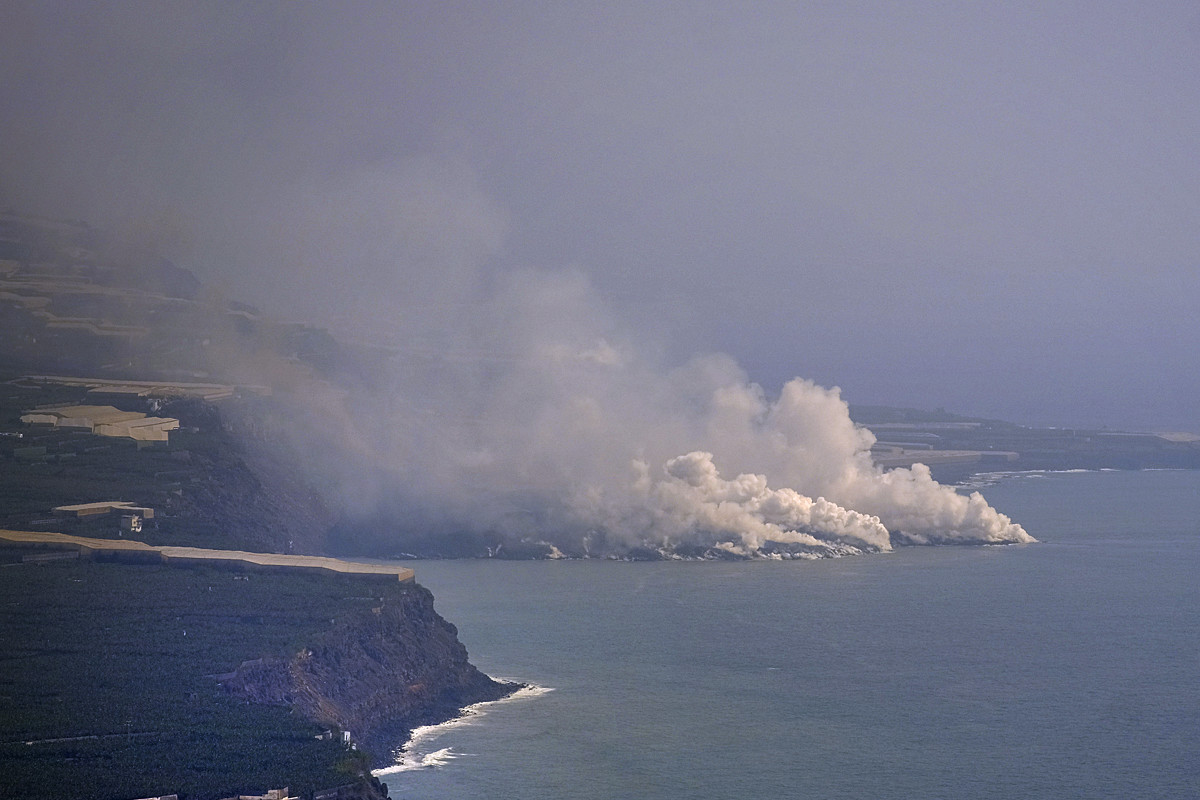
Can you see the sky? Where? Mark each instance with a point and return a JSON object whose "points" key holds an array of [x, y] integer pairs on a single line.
{"points": [[989, 208]]}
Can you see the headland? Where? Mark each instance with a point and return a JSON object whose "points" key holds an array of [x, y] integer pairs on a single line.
{"points": [[126, 660]]}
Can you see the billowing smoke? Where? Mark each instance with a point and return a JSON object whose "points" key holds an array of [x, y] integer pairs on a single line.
{"points": [[512, 408], [696, 497], [540, 421], [515, 406]]}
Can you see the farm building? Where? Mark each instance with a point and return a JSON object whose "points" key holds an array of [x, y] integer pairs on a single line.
{"points": [[104, 421], [91, 510]]}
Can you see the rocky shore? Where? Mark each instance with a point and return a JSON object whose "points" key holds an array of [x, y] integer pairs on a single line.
{"points": [[260, 670], [378, 674]]}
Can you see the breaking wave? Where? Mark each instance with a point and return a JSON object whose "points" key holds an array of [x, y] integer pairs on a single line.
{"points": [[416, 753]]}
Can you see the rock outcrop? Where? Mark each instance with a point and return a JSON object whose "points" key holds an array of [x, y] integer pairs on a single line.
{"points": [[378, 674]]}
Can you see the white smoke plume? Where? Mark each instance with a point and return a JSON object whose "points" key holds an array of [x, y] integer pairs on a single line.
{"points": [[515, 408], [543, 422], [695, 497]]}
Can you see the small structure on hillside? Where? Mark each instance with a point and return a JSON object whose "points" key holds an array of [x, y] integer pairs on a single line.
{"points": [[110, 393], [104, 421], [94, 510], [78, 416], [272, 794], [146, 429]]}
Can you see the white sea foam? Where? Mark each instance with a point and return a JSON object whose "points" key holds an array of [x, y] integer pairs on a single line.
{"points": [[438, 758], [415, 754], [524, 693], [982, 480]]}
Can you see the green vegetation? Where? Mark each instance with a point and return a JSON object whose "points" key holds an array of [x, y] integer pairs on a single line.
{"points": [[126, 655]]}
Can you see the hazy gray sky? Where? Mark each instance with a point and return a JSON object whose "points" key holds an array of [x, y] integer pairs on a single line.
{"points": [[989, 207]]}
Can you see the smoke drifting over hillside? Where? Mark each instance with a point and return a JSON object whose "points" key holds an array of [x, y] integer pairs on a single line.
{"points": [[542, 421], [518, 406], [557, 221], [516, 410], [980, 208]]}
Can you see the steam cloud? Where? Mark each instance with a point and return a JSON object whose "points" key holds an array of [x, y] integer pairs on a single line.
{"points": [[364, 171], [516, 406], [536, 419]]}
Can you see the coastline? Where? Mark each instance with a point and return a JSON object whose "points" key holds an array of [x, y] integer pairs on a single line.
{"points": [[146, 641], [312, 644], [986, 478], [863, 628], [378, 675], [411, 755]]}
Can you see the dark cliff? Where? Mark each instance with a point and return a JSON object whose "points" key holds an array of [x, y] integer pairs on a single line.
{"points": [[109, 673], [378, 673]]}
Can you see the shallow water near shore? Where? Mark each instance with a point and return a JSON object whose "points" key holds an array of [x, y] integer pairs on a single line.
{"points": [[1062, 669]]}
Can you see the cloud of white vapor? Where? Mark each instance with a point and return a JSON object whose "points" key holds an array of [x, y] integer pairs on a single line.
{"points": [[540, 419]]}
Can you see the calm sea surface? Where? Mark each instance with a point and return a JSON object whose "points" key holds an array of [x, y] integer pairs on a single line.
{"points": [[1065, 669]]}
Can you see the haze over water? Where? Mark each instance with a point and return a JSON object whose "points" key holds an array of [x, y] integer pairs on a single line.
{"points": [[1067, 668]]}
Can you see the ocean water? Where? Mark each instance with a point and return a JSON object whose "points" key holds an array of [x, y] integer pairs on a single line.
{"points": [[1065, 669]]}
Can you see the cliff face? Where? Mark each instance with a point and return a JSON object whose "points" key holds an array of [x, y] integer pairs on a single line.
{"points": [[377, 674]]}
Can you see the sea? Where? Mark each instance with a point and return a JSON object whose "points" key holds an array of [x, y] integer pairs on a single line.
{"points": [[1069, 668]]}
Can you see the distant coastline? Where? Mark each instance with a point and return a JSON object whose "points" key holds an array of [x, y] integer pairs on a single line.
{"points": [[955, 447]]}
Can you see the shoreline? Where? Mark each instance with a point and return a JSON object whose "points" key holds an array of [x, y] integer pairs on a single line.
{"points": [[404, 759], [982, 480]]}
